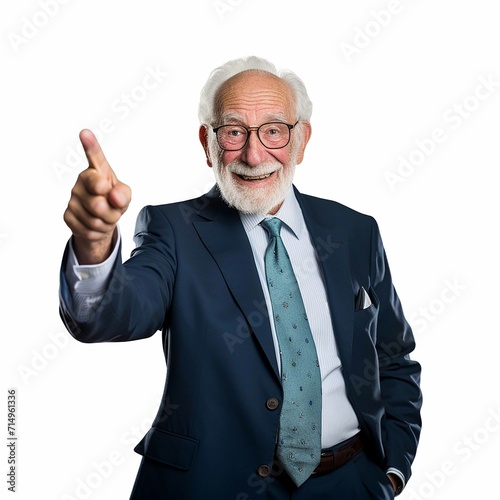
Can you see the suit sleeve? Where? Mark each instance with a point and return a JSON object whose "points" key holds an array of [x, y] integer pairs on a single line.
{"points": [[399, 374], [137, 297]]}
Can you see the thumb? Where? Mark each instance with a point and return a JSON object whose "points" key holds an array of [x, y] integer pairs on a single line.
{"points": [[119, 197]]}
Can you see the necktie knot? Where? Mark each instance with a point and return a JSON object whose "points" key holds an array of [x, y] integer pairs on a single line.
{"points": [[272, 226]]}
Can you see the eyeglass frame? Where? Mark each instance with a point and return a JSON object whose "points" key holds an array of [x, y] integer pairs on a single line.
{"points": [[256, 129]]}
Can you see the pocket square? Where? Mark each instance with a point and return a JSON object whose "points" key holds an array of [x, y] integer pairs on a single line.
{"points": [[362, 300]]}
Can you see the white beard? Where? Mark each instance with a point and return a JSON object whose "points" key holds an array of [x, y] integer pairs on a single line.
{"points": [[254, 200]]}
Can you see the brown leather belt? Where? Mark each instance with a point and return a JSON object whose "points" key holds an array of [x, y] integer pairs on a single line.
{"points": [[331, 460]]}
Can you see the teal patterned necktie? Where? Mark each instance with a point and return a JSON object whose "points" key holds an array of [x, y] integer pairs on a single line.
{"points": [[299, 442]]}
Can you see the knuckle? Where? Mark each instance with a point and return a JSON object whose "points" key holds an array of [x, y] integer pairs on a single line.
{"points": [[76, 189], [95, 224], [67, 216], [82, 178], [74, 208], [97, 206]]}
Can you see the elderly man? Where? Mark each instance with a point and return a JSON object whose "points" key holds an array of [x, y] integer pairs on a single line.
{"points": [[286, 346]]}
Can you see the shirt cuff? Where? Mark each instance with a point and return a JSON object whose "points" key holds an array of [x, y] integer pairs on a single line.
{"points": [[90, 279], [400, 475]]}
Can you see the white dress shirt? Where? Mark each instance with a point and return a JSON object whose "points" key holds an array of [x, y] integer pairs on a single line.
{"points": [[339, 422]]}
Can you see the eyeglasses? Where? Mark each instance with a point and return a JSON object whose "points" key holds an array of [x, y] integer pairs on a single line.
{"points": [[273, 135]]}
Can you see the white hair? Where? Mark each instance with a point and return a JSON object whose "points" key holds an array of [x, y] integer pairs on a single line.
{"points": [[207, 106]]}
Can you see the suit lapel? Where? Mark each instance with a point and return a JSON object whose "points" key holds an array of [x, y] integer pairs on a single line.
{"points": [[332, 247], [225, 238]]}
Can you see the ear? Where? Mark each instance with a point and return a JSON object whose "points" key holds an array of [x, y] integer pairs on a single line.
{"points": [[203, 135], [306, 131]]}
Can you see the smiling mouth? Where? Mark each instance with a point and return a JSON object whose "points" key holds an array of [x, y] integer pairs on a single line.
{"points": [[254, 177]]}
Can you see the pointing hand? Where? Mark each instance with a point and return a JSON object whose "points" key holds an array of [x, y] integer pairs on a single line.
{"points": [[97, 202]]}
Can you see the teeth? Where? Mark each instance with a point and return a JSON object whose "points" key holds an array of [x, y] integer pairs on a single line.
{"points": [[255, 178]]}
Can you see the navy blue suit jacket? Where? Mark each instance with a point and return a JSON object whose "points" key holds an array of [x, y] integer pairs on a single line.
{"points": [[192, 275]]}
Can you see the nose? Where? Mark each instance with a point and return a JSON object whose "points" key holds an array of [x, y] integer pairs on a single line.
{"points": [[254, 153]]}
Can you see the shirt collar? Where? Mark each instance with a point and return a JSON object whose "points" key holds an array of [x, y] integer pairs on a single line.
{"points": [[289, 212]]}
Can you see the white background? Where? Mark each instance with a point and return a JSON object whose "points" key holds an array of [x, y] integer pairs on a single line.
{"points": [[81, 405]]}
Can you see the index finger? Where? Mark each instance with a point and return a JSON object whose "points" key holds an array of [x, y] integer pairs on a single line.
{"points": [[94, 153]]}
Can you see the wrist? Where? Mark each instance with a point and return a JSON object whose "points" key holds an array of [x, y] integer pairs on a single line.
{"points": [[396, 482], [93, 252]]}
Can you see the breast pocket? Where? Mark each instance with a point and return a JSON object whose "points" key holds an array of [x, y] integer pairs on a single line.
{"points": [[364, 367], [365, 315]]}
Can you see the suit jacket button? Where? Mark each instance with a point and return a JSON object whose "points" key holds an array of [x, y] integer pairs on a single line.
{"points": [[263, 471], [272, 403]]}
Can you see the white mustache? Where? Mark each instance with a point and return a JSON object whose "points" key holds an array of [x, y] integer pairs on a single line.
{"points": [[240, 168]]}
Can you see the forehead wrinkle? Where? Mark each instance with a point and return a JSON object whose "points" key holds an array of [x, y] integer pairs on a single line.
{"points": [[254, 99], [255, 93]]}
